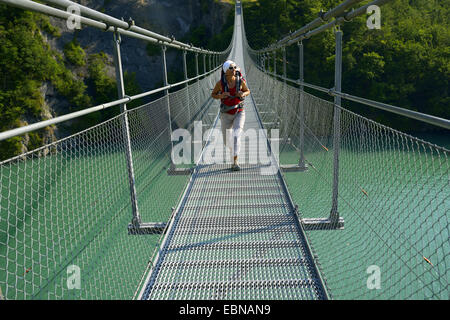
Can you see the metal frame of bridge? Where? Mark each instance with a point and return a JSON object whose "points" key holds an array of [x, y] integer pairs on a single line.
{"points": [[222, 243], [232, 245]]}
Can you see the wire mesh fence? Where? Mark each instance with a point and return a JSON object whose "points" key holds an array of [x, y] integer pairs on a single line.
{"points": [[393, 196], [65, 207]]}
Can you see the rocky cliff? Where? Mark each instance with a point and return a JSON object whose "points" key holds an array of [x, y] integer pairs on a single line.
{"points": [[167, 17], [73, 70]]}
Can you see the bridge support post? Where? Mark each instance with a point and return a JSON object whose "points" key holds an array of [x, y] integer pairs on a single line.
{"points": [[187, 84], [283, 112], [204, 63], [301, 162], [264, 57], [210, 62], [173, 171], [198, 80], [136, 219], [275, 62], [333, 221], [334, 214], [301, 166], [166, 92], [284, 65]]}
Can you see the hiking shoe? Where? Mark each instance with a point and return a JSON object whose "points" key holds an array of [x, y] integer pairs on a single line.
{"points": [[235, 167]]}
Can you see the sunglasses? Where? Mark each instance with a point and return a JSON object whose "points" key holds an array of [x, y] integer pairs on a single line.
{"points": [[232, 67]]}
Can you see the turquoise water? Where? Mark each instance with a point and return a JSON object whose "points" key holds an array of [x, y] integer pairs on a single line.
{"points": [[74, 209], [395, 205]]}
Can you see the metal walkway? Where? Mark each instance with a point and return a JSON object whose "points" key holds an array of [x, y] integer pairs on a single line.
{"points": [[66, 207], [235, 235]]}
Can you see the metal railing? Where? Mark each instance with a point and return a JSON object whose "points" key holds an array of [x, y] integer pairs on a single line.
{"points": [[261, 56], [120, 133], [313, 28], [105, 22], [389, 185], [118, 27], [129, 133], [30, 196]]}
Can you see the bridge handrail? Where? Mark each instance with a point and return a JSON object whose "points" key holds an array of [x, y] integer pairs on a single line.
{"points": [[93, 14], [437, 121], [45, 123], [313, 28], [106, 23]]}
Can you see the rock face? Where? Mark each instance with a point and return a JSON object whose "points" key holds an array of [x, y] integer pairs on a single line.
{"points": [[167, 17]]}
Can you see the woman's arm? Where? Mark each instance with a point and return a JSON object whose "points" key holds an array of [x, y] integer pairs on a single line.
{"points": [[216, 92], [244, 90]]}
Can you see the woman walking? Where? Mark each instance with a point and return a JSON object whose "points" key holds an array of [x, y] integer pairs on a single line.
{"points": [[231, 90]]}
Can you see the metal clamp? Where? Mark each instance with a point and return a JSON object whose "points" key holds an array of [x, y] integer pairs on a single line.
{"points": [[108, 26], [344, 16], [118, 38], [131, 23], [322, 15]]}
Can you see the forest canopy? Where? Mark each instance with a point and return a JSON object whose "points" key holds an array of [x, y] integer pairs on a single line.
{"points": [[405, 63], [27, 63]]}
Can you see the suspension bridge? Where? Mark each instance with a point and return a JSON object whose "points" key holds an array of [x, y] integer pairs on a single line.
{"points": [[107, 214]]}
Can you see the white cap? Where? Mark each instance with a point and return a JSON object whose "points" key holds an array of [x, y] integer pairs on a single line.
{"points": [[227, 65]]}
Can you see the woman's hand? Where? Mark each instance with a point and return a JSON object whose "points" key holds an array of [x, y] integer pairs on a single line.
{"points": [[241, 94], [224, 95]]}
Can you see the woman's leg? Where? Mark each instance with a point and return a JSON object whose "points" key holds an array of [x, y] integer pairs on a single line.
{"points": [[226, 123], [238, 128]]}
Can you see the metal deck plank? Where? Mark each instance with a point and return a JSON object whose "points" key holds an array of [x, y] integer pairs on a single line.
{"points": [[223, 243]]}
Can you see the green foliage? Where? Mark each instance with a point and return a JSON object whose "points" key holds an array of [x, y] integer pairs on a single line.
{"points": [[405, 63], [45, 25], [35, 140], [74, 53], [132, 88], [26, 62], [104, 85], [10, 147], [199, 36], [220, 41], [103, 88]]}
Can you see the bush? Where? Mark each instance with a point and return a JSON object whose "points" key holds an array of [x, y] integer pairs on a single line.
{"points": [[74, 53], [26, 61]]}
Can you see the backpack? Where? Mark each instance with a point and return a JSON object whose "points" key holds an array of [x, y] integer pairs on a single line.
{"points": [[238, 83], [223, 107]]}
